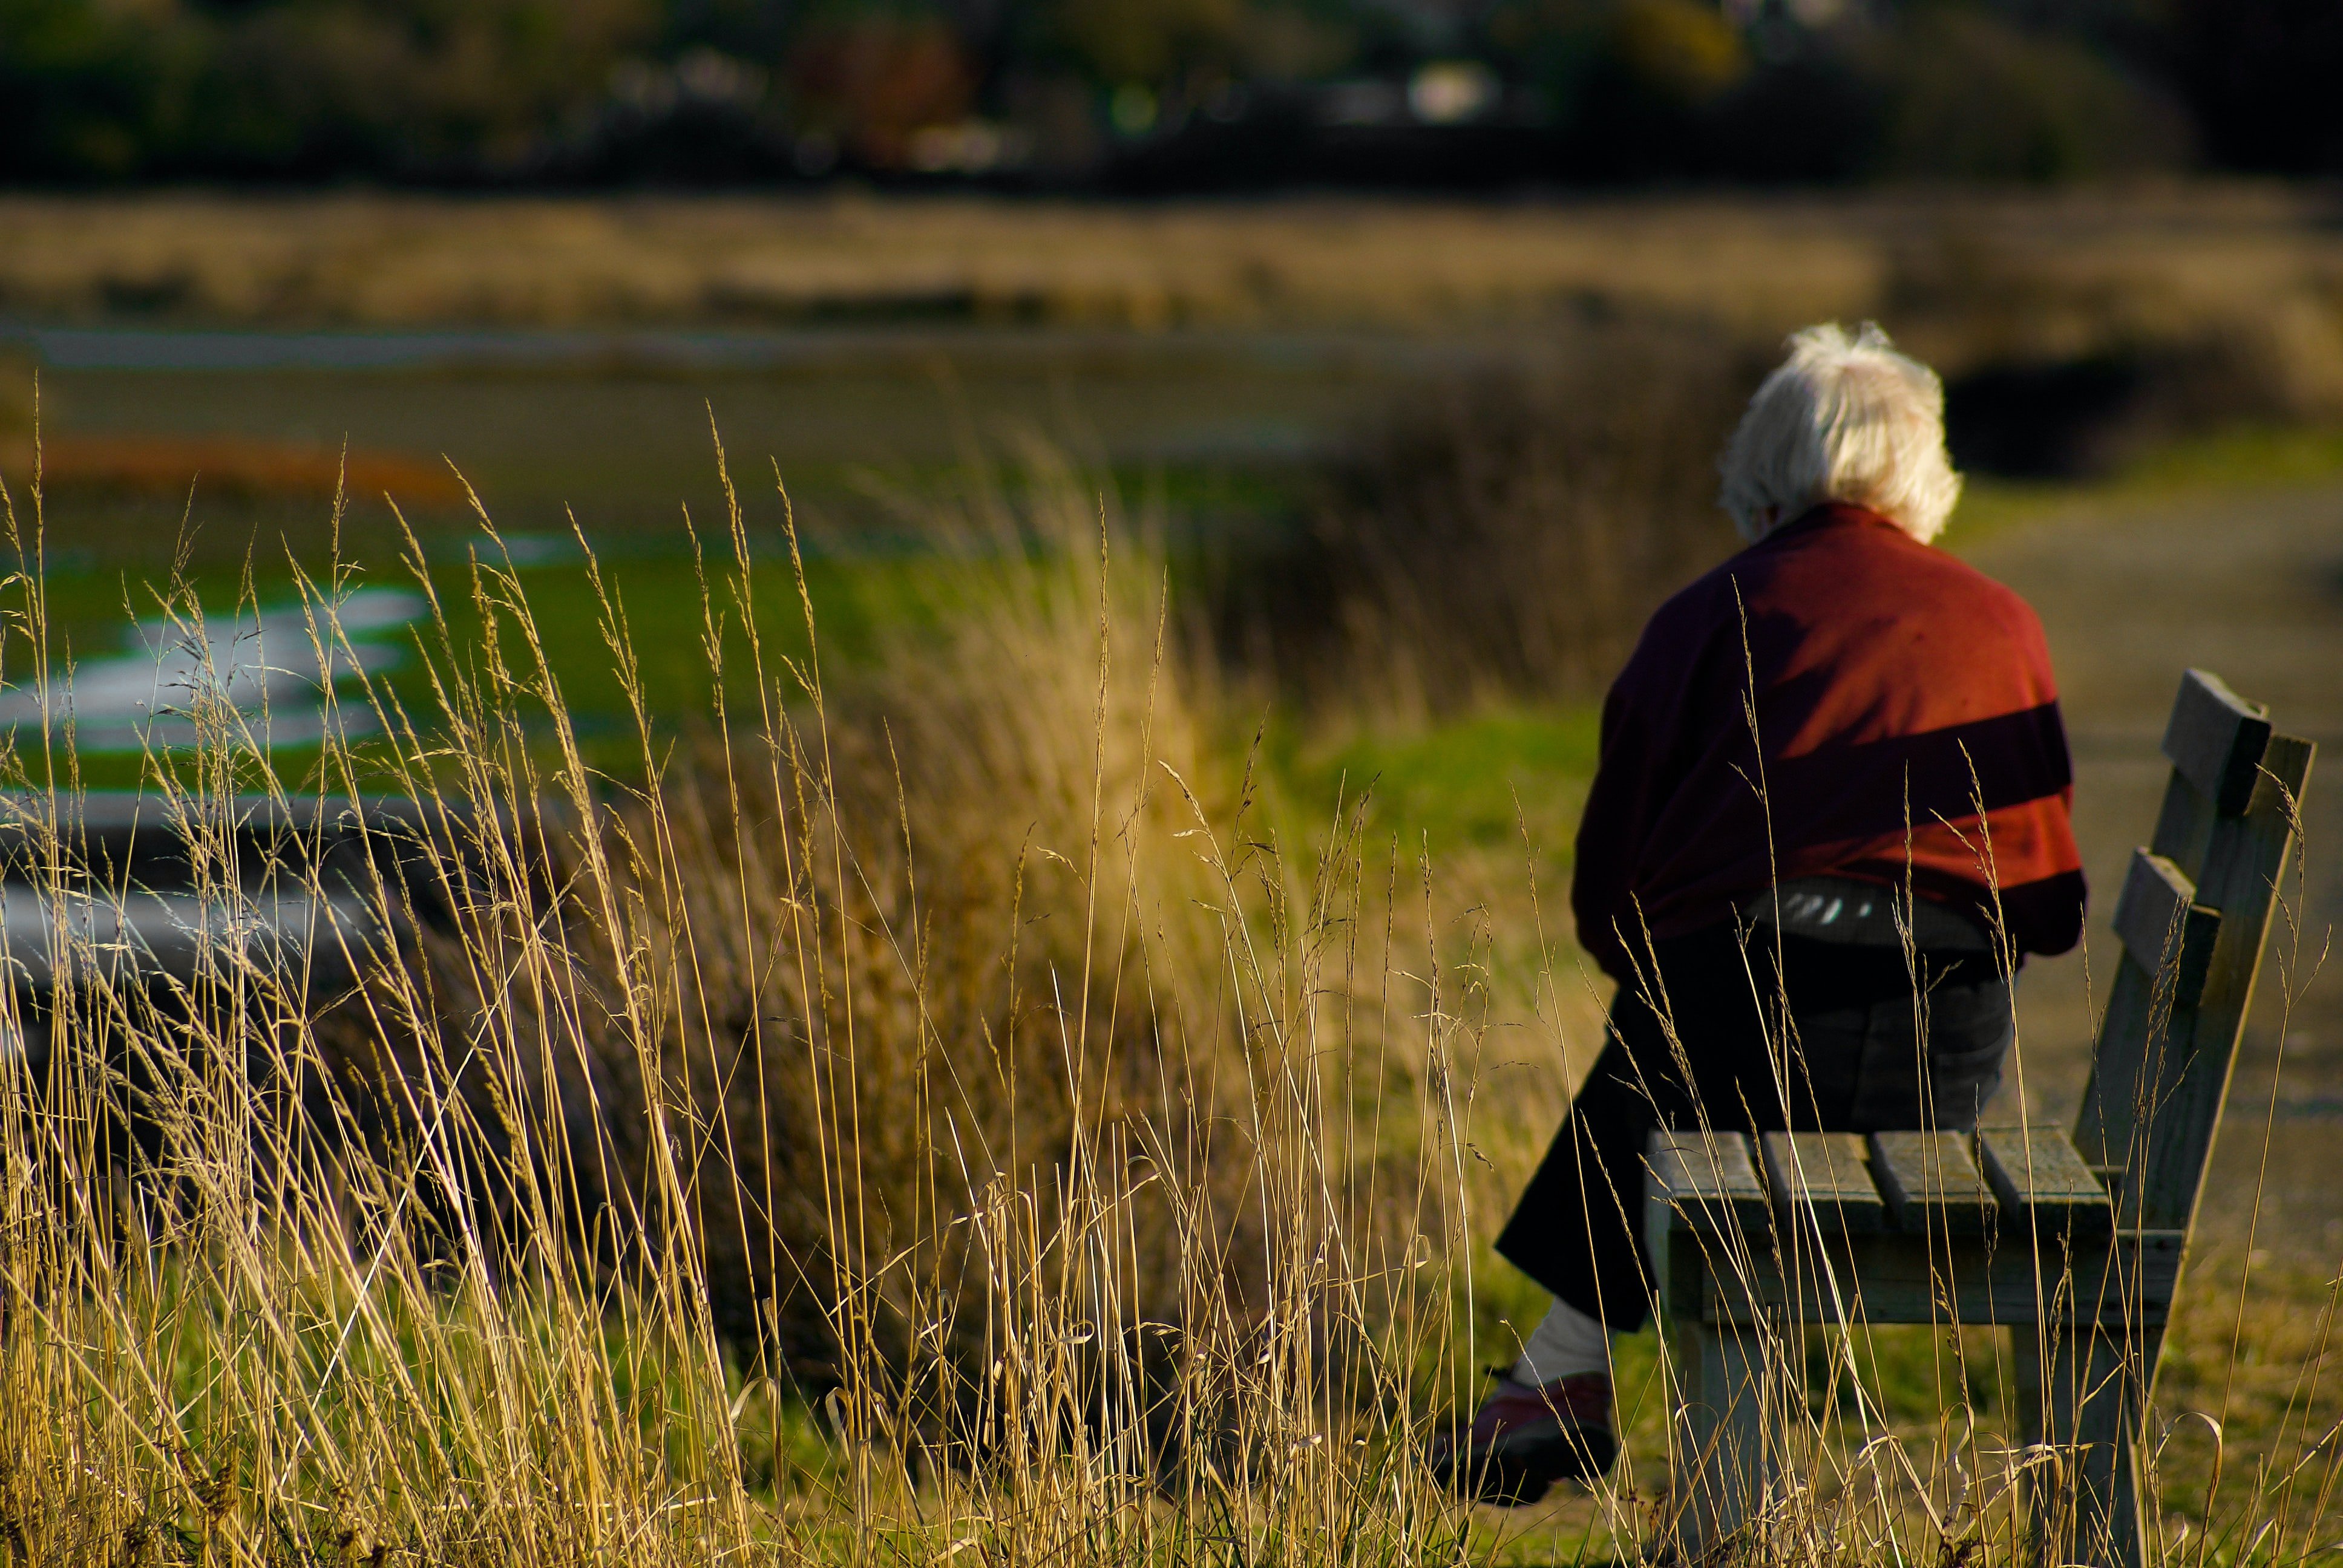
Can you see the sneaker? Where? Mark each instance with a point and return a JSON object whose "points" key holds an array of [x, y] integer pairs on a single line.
{"points": [[1525, 1437]]}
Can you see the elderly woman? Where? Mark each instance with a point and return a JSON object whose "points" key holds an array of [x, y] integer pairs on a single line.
{"points": [[1829, 821]]}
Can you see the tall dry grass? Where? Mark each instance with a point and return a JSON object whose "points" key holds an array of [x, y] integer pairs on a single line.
{"points": [[930, 1111], [934, 1050]]}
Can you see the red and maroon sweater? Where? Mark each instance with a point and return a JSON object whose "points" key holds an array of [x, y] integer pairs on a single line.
{"points": [[1895, 690]]}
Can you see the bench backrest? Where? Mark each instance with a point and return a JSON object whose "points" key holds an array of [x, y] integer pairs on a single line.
{"points": [[2194, 909]]}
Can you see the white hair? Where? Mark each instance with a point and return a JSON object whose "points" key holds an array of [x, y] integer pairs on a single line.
{"points": [[1844, 418]]}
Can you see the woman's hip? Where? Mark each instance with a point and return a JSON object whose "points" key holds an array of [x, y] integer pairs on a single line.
{"points": [[1834, 1042]]}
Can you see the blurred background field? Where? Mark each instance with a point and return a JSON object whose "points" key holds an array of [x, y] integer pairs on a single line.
{"points": [[1370, 431], [1414, 498], [1392, 343]]}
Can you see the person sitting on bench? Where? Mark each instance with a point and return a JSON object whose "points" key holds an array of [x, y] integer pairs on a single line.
{"points": [[1830, 818]]}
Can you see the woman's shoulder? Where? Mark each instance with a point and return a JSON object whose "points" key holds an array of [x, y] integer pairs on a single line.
{"points": [[1881, 562]]}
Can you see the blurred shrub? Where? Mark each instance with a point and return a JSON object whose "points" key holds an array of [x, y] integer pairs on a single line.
{"points": [[1643, 89], [1627, 84], [83, 94], [309, 88], [2261, 75], [1594, 89], [1809, 117], [1678, 50], [2056, 369], [421, 86], [869, 82], [1644, 108], [1506, 531], [852, 1013], [2068, 417], [1153, 43], [1974, 98]]}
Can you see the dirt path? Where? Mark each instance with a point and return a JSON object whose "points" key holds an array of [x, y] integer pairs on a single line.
{"points": [[2251, 588]]}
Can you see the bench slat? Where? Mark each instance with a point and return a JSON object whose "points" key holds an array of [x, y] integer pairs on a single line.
{"points": [[1708, 1178], [2216, 740], [2162, 926], [2243, 869], [2042, 1180], [1827, 1174], [1932, 1183], [2125, 1279], [2159, 1075]]}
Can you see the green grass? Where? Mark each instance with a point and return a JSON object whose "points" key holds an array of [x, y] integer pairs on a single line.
{"points": [[657, 598], [1460, 784], [2248, 457], [1490, 785], [2241, 459]]}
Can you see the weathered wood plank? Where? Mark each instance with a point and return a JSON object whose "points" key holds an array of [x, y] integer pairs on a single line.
{"points": [[2124, 1280], [1932, 1184], [2042, 1182], [2183, 825], [1823, 1180], [1708, 1179], [2135, 1031], [1726, 1442], [2127, 1061], [2162, 926], [2159, 1078], [2243, 866], [2216, 738], [2088, 1509]]}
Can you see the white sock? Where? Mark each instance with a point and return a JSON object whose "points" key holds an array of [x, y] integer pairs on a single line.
{"points": [[1566, 1343]]}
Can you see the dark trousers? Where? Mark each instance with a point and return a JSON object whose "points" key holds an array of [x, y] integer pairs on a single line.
{"points": [[1858, 1054]]}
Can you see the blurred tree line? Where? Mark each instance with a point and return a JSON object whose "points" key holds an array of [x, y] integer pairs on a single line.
{"points": [[1164, 92]]}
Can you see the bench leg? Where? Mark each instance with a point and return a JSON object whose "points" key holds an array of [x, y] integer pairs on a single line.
{"points": [[2083, 1390], [1724, 1454]]}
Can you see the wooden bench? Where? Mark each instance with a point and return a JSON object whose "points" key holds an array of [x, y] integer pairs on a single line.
{"points": [[2075, 1242]]}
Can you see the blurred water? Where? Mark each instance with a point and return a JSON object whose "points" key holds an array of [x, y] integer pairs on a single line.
{"points": [[271, 668], [617, 427]]}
